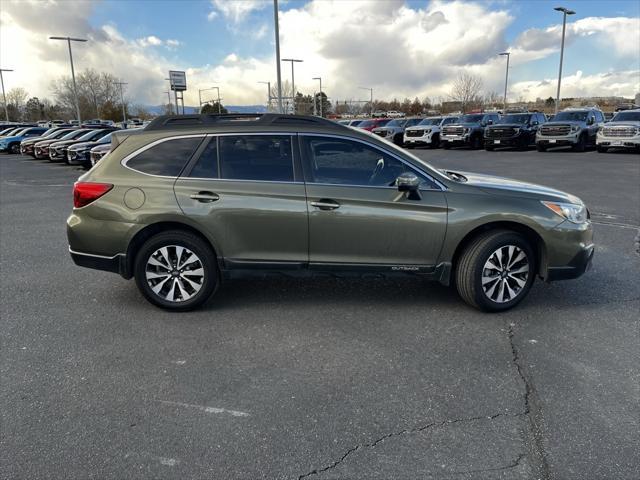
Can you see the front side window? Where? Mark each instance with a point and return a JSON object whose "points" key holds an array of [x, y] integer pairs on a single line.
{"points": [[339, 161], [167, 158], [256, 157], [449, 120]]}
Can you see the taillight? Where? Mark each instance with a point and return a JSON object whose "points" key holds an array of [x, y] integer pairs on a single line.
{"points": [[86, 192]]}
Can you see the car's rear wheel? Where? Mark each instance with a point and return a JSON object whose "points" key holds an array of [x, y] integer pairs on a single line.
{"points": [[176, 270], [495, 271]]}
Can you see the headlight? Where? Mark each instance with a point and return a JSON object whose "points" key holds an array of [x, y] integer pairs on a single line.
{"points": [[467, 129], [575, 128], [428, 130], [570, 211]]}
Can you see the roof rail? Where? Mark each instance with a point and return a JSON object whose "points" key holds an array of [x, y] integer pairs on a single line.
{"points": [[171, 122]]}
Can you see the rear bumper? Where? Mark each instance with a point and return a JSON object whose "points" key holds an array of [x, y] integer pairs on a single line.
{"points": [[580, 264], [115, 264]]}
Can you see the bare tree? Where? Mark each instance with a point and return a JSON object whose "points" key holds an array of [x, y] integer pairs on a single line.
{"points": [[466, 90], [96, 93]]}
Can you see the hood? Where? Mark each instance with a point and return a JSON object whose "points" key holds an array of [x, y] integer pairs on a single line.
{"points": [[64, 143], [470, 125], [8, 139], [516, 188], [83, 145], [508, 125], [561, 122], [104, 147], [46, 143], [29, 141], [628, 123]]}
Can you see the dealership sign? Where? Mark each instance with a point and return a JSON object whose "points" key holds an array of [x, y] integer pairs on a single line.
{"points": [[178, 80]]}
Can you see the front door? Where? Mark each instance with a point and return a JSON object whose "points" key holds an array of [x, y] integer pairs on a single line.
{"points": [[245, 191], [357, 217]]}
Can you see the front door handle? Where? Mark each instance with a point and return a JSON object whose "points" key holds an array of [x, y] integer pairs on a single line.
{"points": [[325, 204], [205, 197]]}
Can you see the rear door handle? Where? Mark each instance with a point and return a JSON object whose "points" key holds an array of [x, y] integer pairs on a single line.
{"points": [[205, 197], [325, 204]]}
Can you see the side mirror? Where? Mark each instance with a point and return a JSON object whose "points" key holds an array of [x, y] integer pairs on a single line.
{"points": [[489, 122], [534, 123], [409, 183], [590, 121]]}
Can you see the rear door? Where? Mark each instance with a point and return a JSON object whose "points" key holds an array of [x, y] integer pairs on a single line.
{"points": [[247, 192], [357, 217]]}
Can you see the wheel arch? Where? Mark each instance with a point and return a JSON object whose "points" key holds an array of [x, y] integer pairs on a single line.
{"points": [[162, 226], [536, 241]]}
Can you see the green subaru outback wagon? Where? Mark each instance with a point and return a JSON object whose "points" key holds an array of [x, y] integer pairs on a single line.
{"points": [[192, 200]]}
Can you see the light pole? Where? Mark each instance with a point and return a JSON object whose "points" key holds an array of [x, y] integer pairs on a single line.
{"points": [[370, 101], [169, 95], [268, 84], [320, 80], [4, 97], [73, 73], [124, 114], [565, 12], [293, 82], [277, 32], [506, 78], [206, 89]]}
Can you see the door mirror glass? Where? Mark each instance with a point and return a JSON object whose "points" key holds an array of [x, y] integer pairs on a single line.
{"points": [[410, 184], [590, 121]]}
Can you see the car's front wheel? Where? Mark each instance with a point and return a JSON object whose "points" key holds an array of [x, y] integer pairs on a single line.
{"points": [[14, 148], [495, 271], [176, 270]]}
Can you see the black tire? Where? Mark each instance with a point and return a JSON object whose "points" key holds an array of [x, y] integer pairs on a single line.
{"points": [[489, 148], [476, 142], [14, 148], [581, 145], [398, 140], [470, 265], [199, 247], [541, 148], [435, 141], [409, 147], [602, 149], [446, 145]]}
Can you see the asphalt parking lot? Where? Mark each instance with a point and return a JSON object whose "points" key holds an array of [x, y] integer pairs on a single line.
{"points": [[323, 378]]}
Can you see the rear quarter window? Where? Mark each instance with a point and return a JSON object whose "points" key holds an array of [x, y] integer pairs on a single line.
{"points": [[165, 159]]}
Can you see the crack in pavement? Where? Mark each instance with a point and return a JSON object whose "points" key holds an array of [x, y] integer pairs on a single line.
{"points": [[532, 410], [412, 431], [513, 464]]}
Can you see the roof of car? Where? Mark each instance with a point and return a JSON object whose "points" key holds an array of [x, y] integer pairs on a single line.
{"points": [[175, 122]]}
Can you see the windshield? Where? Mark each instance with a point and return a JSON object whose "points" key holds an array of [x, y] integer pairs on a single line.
{"points": [[105, 139], [396, 123], [571, 116], [60, 133], [515, 119], [11, 131], [431, 121], [471, 118], [88, 136], [355, 123], [73, 135], [626, 117]]}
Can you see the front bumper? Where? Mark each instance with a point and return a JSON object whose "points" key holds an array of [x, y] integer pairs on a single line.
{"points": [[618, 142], [77, 157], [558, 141], [580, 264], [26, 149], [455, 140], [423, 140], [504, 142]]}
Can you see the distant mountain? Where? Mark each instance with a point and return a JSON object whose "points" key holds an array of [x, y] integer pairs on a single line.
{"points": [[158, 109]]}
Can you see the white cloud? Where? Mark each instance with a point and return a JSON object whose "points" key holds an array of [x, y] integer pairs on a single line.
{"points": [[151, 40], [621, 83], [236, 10]]}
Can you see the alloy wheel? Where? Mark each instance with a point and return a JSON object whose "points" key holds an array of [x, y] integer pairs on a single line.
{"points": [[505, 273], [174, 273]]}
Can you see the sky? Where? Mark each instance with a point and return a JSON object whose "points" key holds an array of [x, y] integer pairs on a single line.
{"points": [[400, 48]]}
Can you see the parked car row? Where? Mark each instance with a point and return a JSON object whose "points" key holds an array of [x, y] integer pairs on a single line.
{"points": [[68, 144], [578, 128]]}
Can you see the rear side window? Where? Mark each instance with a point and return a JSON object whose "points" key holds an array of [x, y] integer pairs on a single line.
{"points": [[166, 158], [256, 157], [207, 164]]}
